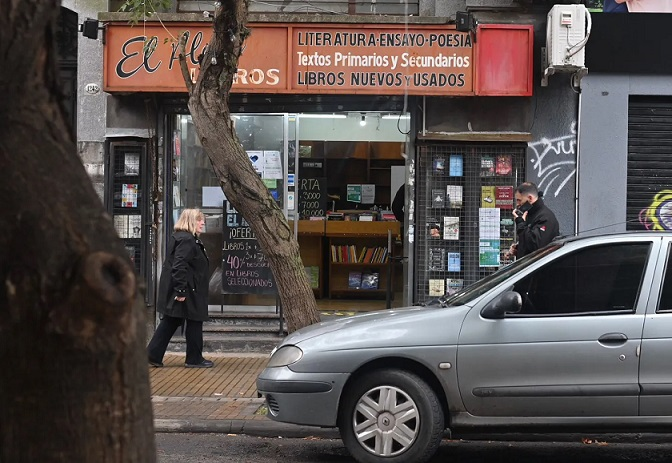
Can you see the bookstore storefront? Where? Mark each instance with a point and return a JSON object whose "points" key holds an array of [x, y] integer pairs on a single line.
{"points": [[328, 114]]}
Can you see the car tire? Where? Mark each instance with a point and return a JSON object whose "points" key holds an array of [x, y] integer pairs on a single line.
{"points": [[391, 416]]}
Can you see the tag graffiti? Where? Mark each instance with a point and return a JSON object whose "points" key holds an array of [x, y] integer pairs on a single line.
{"points": [[554, 160]]}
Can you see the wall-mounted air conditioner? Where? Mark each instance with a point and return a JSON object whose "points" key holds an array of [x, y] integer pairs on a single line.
{"points": [[567, 31]]}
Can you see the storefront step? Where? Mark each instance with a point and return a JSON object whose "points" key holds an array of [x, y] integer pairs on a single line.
{"points": [[240, 330], [220, 343], [252, 319]]}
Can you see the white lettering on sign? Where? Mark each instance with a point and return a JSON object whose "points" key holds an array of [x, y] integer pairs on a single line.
{"points": [[257, 76], [92, 89]]}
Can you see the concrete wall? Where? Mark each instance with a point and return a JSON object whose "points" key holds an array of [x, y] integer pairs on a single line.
{"points": [[90, 104], [603, 146], [551, 155]]}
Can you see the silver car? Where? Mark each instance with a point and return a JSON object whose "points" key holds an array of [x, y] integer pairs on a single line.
{"points": [[577, 335]]}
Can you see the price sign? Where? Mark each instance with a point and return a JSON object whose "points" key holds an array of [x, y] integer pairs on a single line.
{"points": [[312, 197], [245, 269]]}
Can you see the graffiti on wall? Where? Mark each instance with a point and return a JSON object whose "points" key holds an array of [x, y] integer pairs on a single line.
{"points": [[658, 215], [554, 161]]}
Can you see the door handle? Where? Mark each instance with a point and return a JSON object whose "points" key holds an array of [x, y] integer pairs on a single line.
{"points": [[613, 338]]}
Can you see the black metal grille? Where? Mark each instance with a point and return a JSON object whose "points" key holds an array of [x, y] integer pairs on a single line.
{"points": [[127, 197], [273, 405], [463, 221], [649, 193]]}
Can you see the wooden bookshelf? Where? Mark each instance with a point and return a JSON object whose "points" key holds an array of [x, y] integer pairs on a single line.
{"points": [[310, 238], [358, 235]]}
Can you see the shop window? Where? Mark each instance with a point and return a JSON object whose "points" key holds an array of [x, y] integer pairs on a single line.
{"points": [[127, 200], [463, 221]]}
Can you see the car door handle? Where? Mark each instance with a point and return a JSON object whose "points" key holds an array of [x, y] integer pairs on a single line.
{"points": [[613, 338]]}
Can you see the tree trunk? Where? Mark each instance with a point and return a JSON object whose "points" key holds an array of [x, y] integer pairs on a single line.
{"points": [[209, 108], [74, 385]]}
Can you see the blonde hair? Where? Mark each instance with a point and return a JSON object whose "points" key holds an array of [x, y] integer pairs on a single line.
{"points": [[188, 220]]}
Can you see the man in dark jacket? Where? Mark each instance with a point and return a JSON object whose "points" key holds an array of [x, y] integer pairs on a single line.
{"points": [[536, 225]]}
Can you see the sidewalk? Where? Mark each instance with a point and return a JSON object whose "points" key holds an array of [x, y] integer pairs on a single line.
{"points": [[222, 399]]}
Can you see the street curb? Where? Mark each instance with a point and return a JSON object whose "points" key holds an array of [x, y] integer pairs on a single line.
{"points": [[259, 428], [269, 428]]}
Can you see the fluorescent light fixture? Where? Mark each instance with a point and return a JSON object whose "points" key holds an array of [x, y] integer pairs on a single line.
{"points": [[323, 116], [396, 116], [362, 121]]}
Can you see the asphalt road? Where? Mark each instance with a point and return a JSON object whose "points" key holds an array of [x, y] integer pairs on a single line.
{"points": [[220, 448]]}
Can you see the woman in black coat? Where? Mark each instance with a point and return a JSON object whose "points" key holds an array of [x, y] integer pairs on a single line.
{"points": [[183, 292]]}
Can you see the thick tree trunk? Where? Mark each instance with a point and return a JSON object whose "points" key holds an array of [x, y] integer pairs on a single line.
{"points": [[209, 107], [74, 385]]}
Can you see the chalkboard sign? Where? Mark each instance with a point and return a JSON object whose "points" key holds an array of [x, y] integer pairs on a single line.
{"points": [[312, 197], [245, 269]]}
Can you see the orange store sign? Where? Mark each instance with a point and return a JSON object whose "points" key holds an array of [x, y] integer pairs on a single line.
{"points": [[281, 58]]}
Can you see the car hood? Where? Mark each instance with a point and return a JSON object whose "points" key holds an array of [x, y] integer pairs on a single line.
{"points": [[412, 326]]}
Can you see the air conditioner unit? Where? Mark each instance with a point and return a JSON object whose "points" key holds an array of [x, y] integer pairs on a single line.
{"points": [[567, 31]]}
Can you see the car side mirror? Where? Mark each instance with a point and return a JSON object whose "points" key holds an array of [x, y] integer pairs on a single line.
{"points": [[507, 302]]}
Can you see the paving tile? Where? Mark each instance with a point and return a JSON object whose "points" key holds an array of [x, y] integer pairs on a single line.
{"points": [[225, 392]]}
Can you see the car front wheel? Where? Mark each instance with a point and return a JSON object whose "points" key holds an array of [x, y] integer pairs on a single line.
{"points": [[391, 416]]}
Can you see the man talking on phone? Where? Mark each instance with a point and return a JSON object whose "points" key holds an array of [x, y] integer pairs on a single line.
{"points": [[536, 225]]}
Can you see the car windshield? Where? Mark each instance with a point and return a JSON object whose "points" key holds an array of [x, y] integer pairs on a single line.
{"points": [[473, 291]]}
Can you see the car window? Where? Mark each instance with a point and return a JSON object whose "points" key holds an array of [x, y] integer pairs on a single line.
{"points": [[484, 285], [665, 302], [598, 279]]}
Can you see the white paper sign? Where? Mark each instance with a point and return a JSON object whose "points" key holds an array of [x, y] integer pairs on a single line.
{"points": [[488, 223], [272, 165], [368, 193]]}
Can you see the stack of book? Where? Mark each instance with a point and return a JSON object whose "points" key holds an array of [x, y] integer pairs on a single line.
{"points": [[331, 215]]}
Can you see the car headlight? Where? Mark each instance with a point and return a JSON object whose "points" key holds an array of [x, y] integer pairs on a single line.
{"points": [[284, 356]]}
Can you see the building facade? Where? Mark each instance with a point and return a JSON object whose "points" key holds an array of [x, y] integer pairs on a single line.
{"points": [[460, 140]]}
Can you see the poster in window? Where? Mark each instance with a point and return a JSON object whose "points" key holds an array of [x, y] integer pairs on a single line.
{"points": [[436, 287], [129, 195], [488, 253], [438, 197], [454, 264], [451, 228], [354, 193], [456, 165], [131, 164], [257, 160], [437, 257], [454, 196], [128, 226], [433, 228], [488, 196], [272, 165], [368, 193], [487, 166], [488, 223], [504, 164], [504, 197], [131, 252]]}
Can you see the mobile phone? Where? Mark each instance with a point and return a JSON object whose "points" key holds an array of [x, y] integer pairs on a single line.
{"points": [[523, 208]]}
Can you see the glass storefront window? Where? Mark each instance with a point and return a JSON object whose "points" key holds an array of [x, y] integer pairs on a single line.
{"points": [[276, 144], [195, 184]]}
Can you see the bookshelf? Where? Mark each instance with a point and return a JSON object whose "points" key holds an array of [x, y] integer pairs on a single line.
{"points": [[346, 243], [310, 239], [356, 162]]}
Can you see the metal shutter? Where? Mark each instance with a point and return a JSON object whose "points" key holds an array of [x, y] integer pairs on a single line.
{"points": [[649, 183]]}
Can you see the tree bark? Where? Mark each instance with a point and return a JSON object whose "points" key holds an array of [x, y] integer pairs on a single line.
{"points": [[74, 384], [209, 108]]}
